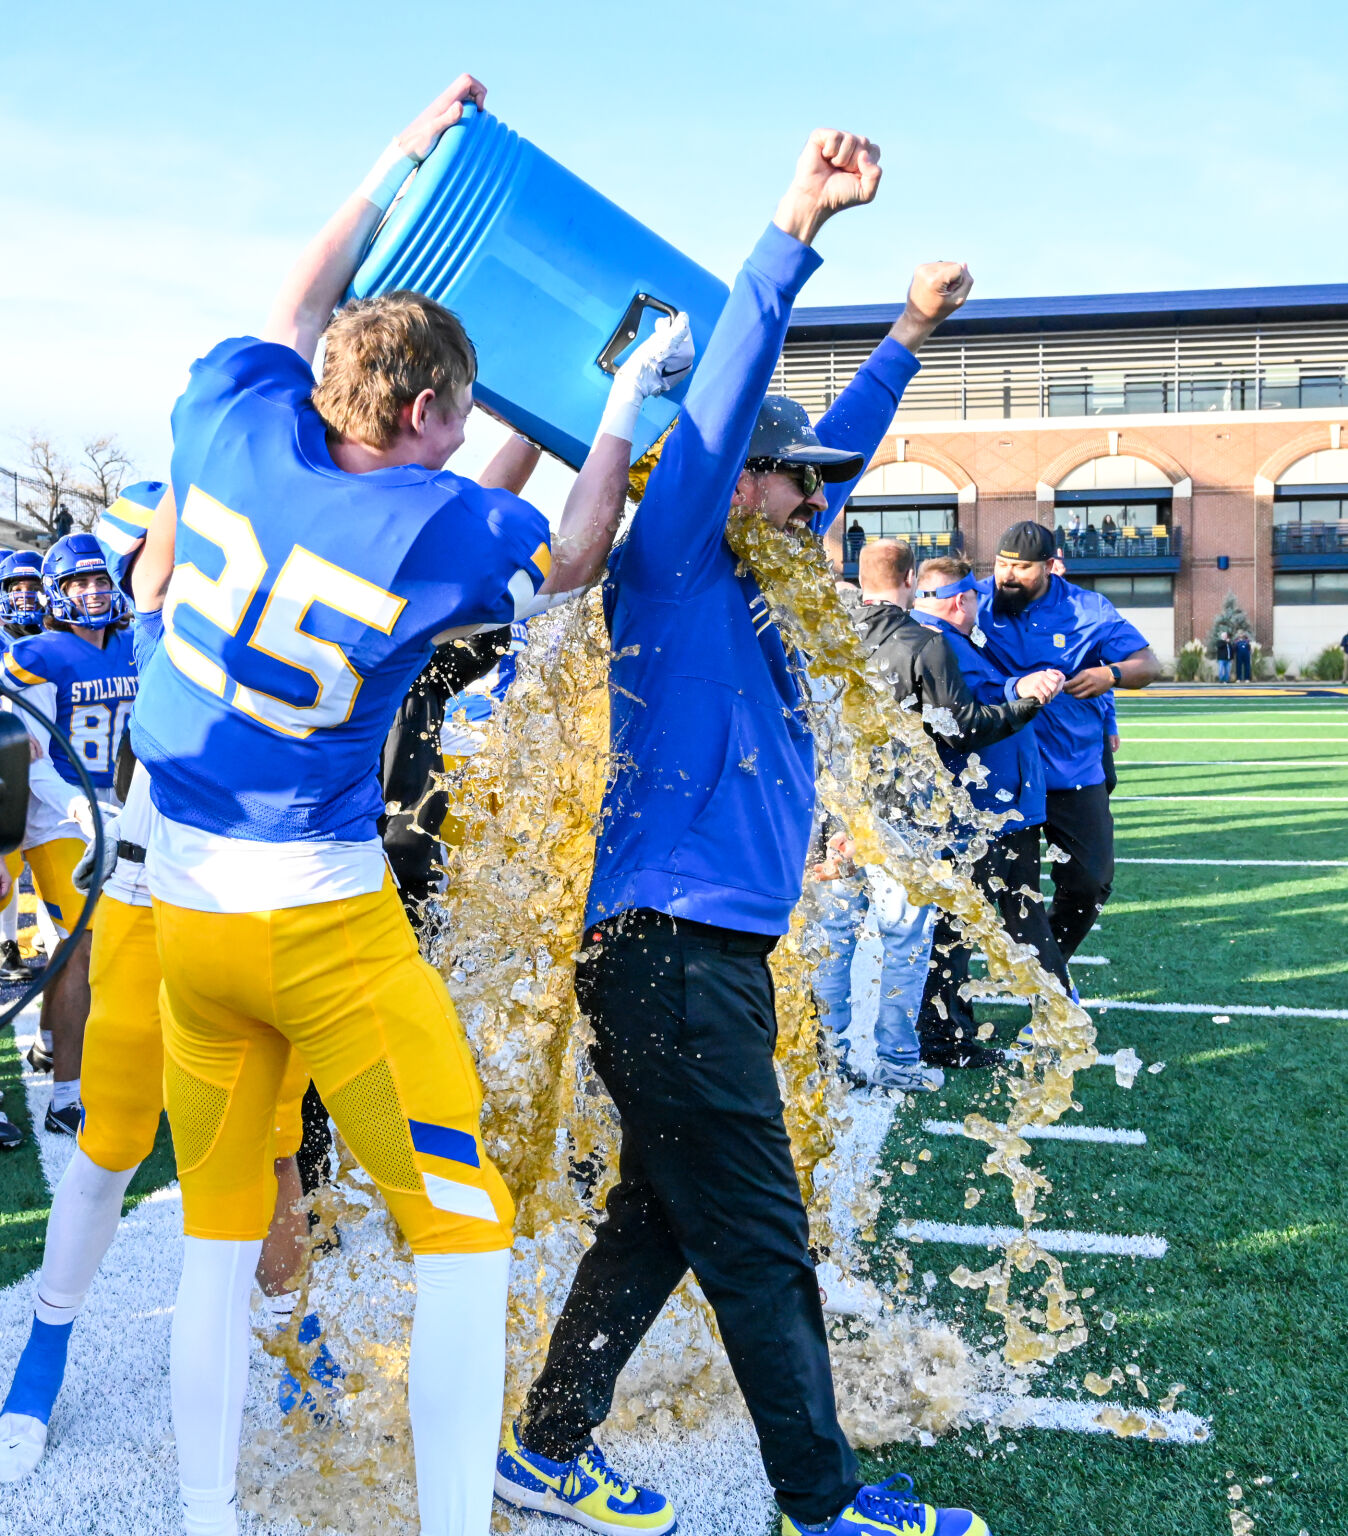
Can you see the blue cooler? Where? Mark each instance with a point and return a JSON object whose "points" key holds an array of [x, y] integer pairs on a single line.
{"points": [[553, 282]]}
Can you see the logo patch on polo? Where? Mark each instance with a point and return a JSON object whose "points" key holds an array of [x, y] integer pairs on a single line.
{"points": [[1060, 641]]}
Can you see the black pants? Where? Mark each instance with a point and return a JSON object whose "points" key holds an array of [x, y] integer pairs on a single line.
{"points": [[1080, 824], [685, 1028], [1013, 859]]}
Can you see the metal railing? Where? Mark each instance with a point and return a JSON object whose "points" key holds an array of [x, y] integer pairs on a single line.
{"points": [[1125, 543], [1311, 538], [925, 546]]}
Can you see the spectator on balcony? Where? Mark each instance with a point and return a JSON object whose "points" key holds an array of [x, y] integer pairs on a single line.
{"points": [[1223, 657], [1109, 530], [1244, 657], [1073, 528], [856, 538]]}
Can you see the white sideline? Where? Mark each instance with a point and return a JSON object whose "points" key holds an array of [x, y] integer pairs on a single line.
{"points": [[1243, 1010], [1144, 1245], [1010, 1413], [1050, 1132]]}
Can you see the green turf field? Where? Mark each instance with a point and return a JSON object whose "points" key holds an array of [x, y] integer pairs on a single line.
{"points": [[1243, 1172], [1246, 1161]]}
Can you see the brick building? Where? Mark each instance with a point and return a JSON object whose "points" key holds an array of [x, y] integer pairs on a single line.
{"points": [[1184, 445]]}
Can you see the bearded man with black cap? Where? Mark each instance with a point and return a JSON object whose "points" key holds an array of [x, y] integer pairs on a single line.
{"points": [[699, 861], [1033, 619]]}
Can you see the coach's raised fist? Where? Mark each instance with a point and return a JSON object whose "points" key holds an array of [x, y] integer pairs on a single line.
{"points": [[836, 170], [937, 290]]}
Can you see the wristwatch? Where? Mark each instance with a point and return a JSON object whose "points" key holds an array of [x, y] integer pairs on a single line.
{"points": [[1118, 675]]}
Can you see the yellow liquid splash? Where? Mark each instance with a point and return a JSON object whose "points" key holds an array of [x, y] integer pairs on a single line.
{"points": [[507, 938]]}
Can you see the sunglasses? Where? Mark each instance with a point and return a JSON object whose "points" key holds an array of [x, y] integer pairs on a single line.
{"points": [[807, 477]]}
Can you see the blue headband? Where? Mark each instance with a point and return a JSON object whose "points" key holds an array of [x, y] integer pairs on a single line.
{"points": [[951, 588]]}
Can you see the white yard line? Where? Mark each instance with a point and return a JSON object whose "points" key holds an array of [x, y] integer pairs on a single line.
{"points": [[1248, 863], [1230, 762], [1242, 1010], [1198, 798], [1081, 1417], [1143, 1245], [1102, 1133], [1233, 741]]}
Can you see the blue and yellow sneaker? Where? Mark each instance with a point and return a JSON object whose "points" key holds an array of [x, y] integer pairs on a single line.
{"points": [[324, 1370], [878, 1511], [585, 1489]]}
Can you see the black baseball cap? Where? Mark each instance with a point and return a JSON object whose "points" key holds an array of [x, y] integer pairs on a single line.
{"points": [[1026, 541], [783, 435]]}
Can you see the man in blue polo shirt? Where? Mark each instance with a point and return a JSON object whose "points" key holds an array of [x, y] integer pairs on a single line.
{"points": [[1033, 619], [699, 862]]}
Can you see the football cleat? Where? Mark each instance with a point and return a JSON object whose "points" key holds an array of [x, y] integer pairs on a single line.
{"points": [[22, 1442], [878, 1510], [66, 1121], [10, 1135], [13, 967], [39, 1057], [585, 1489]]}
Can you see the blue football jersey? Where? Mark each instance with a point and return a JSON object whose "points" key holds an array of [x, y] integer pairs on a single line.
{"points": [[121, 528], [92, 695], [303, 603]]}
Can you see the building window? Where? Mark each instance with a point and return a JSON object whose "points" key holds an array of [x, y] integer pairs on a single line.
{"points": [[1299, 589], [1131, 591], [1098, 529], [1288, 387], [1309, 509], [897, 519]]}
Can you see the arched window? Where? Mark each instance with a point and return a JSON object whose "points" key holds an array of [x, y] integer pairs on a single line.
{"points": [[913, 502], [1116, 506], [1310, 505]]}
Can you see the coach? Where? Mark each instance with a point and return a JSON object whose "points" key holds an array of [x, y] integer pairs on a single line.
{"points": [[1033, 620]]}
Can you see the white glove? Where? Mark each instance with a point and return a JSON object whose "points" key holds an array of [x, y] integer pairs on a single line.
{"points": [[83, 876], [79, 811], [663, 360]]}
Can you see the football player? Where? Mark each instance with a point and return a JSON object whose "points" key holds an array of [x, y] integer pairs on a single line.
{"points": [[322, 551], [80, 673], [20, 615], [123, 1071]]}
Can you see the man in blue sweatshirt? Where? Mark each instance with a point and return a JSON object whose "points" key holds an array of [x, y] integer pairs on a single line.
{"points": [[699, 862]]}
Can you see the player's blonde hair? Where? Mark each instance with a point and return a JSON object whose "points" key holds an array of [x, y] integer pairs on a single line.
{"points": [[380, 354]]}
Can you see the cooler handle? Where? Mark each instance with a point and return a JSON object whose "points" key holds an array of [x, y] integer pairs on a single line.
{"points": [[626, 332]]}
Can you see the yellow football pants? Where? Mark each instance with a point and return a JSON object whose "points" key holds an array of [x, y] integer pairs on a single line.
{"points": [[122, 1072], [53, 865], [343, 983]]}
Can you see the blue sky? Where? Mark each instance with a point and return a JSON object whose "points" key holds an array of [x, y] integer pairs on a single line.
{"points": [[160, 164]]}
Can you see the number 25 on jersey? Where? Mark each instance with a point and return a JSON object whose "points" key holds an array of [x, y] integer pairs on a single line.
{"points": [[304, 580]]}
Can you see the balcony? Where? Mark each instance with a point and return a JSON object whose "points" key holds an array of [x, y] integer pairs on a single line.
{"points": [[1139, 551], [1310, 546], [925, 546]]}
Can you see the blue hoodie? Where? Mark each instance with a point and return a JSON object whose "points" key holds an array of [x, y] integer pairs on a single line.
{"points": [[1015, 767], [708, 812]]}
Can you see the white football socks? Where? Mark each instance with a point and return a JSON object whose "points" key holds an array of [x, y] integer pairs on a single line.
{"points": [[209, 1373], [9, 920], [455, 1385], [85, 1210], [65, 1094]]}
